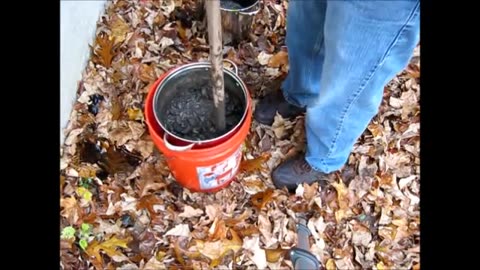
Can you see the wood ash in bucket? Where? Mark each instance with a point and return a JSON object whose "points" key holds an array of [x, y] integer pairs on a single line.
{"points": [[190, 114]]}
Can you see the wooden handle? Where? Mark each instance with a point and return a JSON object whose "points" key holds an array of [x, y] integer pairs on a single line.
{"points": [[215, 41]]}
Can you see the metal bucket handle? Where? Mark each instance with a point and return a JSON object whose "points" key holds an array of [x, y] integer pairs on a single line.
{"points": [[235, 67], [190, 146], [175, 147], [257, 9]]}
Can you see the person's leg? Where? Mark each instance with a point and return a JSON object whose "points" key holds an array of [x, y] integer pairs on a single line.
{"points": [[366, 44], [306, 51], [305, 23]]}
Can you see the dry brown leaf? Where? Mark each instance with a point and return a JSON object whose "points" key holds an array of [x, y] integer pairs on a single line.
{"points": [[310, 191], [330, 265], [253, 185], [123, 131], [148, 73], [108, 246], [278, 60], [263, 58], [342, 199], [116, 110], [256, 254], [104, 50], [248, 231], [273, 255], [150, 179], [216, 250], [87, 171], [119, 29], [179, 230], [261, 199], [413, 71], [145, 148], [381, 266], [213, 210], [252, 165], [218, 230], [135, 114], [70, 209], [375, 129], [265, 227], [148, 202], [278, 126], [189, 212], [154, 263]]}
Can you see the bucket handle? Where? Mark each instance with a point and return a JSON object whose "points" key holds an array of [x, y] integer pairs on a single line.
{"points": [[257, 5], [235, 67], [174, 147]]}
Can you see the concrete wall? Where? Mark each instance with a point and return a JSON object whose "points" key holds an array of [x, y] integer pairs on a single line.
{"points": [[78, 21]]}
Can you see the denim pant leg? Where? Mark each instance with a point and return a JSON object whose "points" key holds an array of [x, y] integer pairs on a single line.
{"points": [[365, 44], [304, 39]]}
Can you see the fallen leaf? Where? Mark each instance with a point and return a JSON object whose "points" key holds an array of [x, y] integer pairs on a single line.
{"points": [[70, 209], [263, 58], [381, 266], [189, 212], [375, 129], [148, 202], [413, 71], [147, 74], [150, 179], [135, 114], [278, 60], [261, 199], [344, 263], [123, 131], [342, 198], [278, 126], [213, 210], [116, 110], [310, 191], [108, 246], [274, 255], [249, 231], [253, 185], [145, 148], [165, 42], [119, 29], [361, 238], [118, 160], [330, 265], [251, 165], [153, 263], [104, 50], [218, 230], [217, 249], [256, 254], [265, 227], [179, 230]]}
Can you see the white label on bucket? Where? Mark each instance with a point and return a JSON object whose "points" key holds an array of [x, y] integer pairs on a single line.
{"points": [[215, 175]]}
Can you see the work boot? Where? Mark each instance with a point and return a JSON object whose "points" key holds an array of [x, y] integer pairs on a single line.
{"points": [[296, 171], [268, 106]]}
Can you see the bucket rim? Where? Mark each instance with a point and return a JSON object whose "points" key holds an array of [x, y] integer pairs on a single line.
{"points": [[199, 65], [245, 9]]}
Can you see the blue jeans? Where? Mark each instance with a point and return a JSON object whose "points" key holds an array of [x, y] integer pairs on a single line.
{"points": [[342, 54]]}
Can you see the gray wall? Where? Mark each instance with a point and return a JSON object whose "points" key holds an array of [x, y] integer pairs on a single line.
{"points": [[78, 21]]}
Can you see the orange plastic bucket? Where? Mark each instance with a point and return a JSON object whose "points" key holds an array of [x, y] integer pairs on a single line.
{"points": [[205, 169]]}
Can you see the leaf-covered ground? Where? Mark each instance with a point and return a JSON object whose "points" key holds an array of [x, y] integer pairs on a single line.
{"points": [[121, 208]]}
